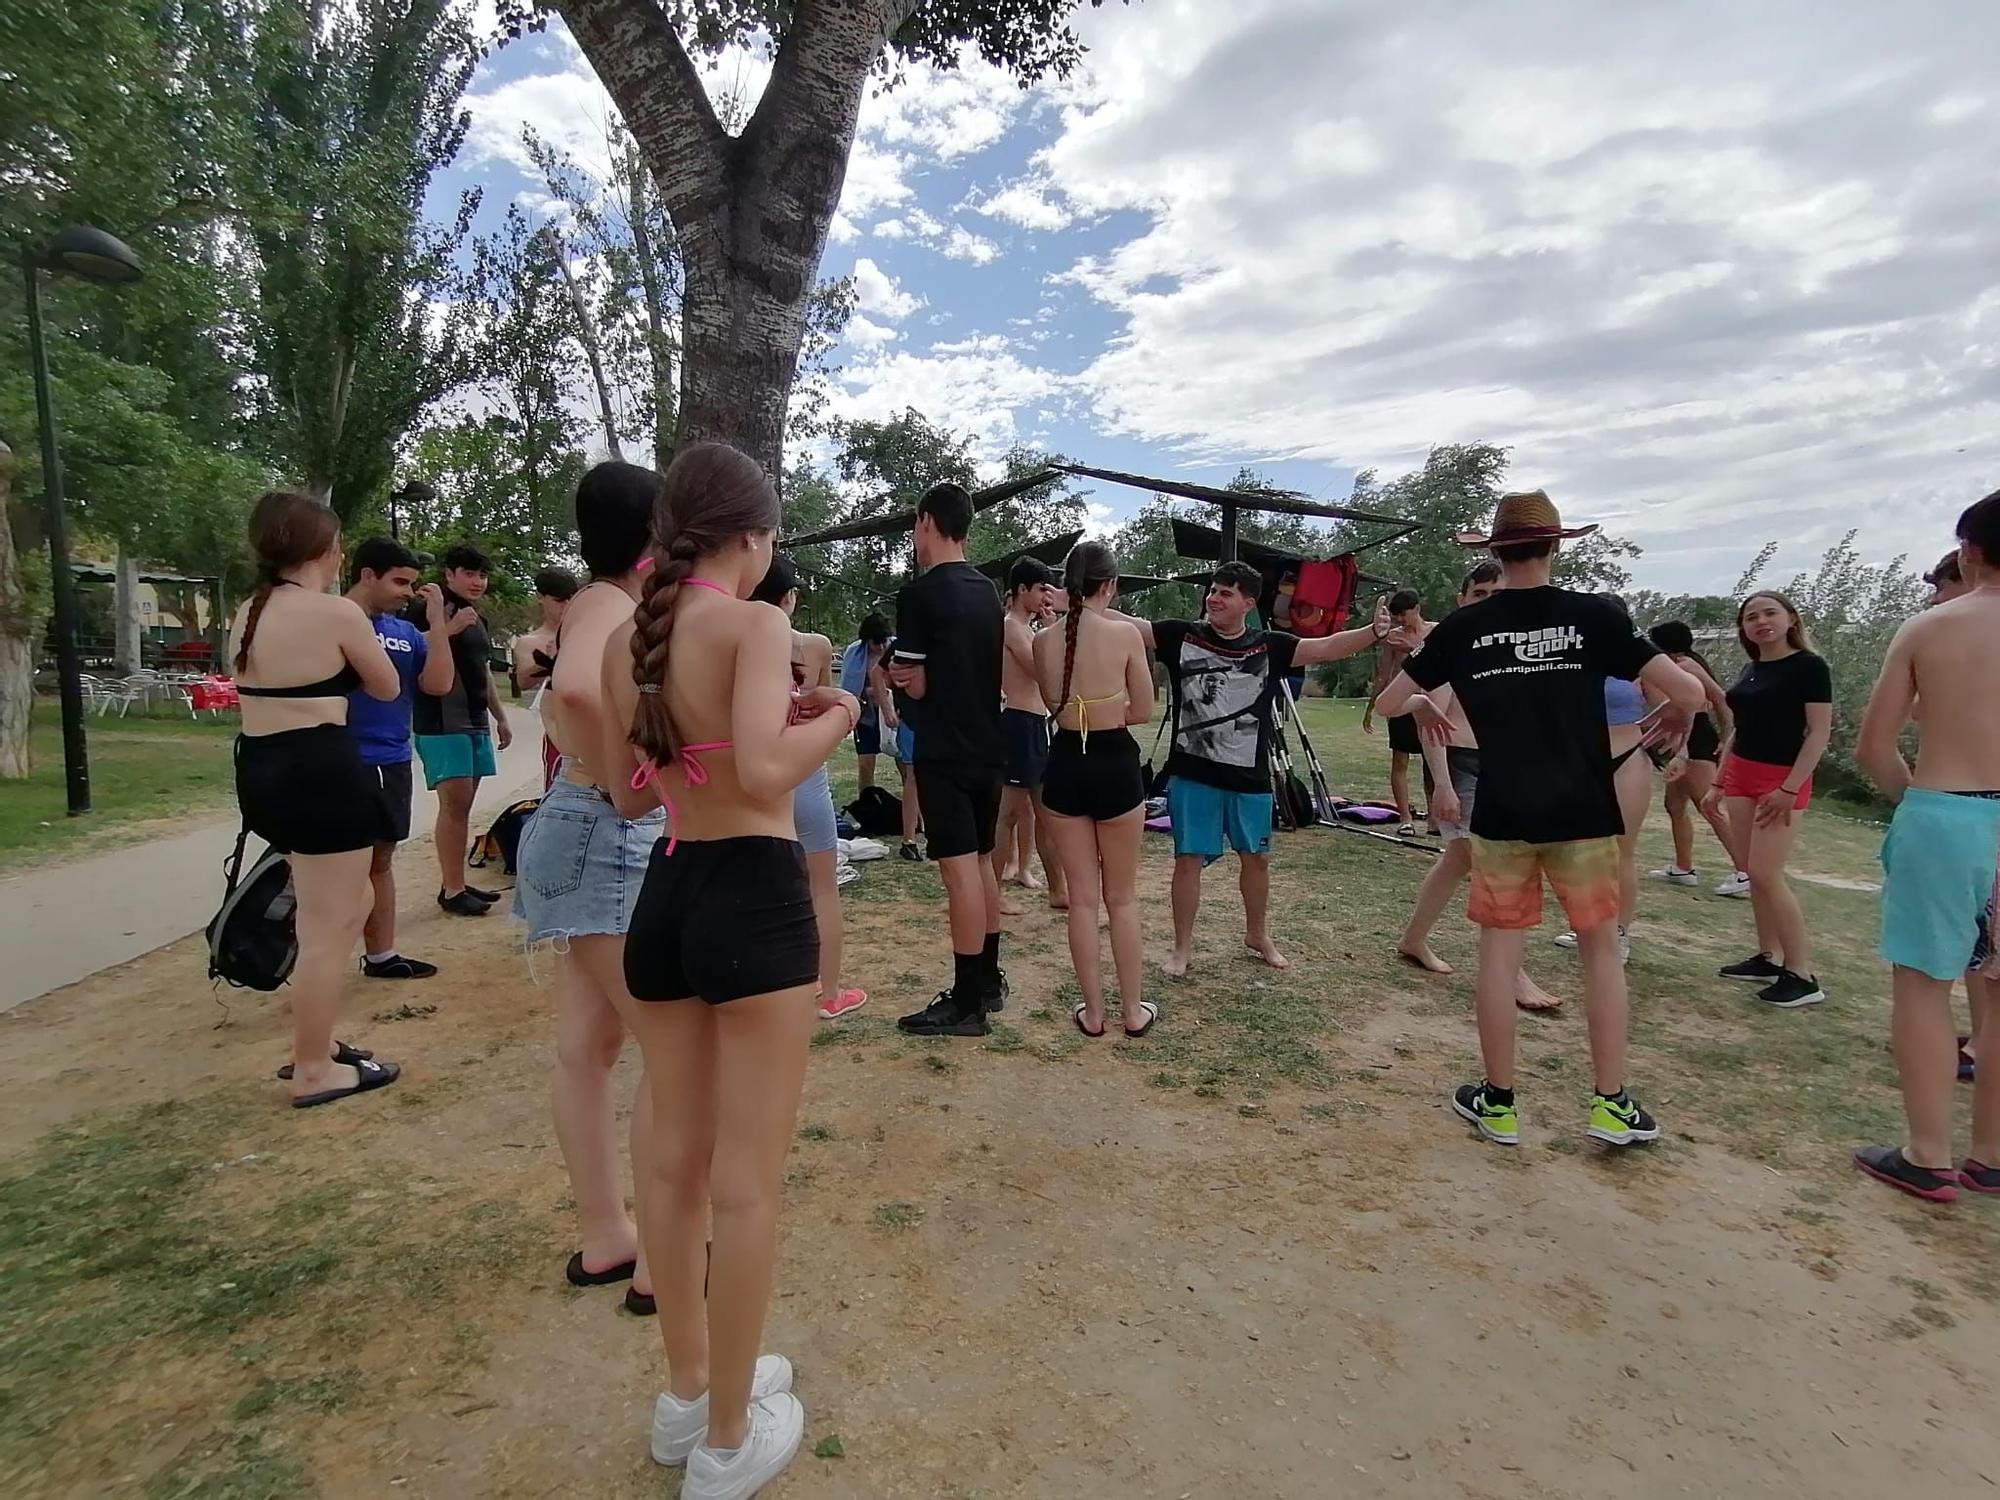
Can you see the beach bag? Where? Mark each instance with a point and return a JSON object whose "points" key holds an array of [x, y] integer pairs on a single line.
{"points": [[253, 938], [501, 843], [1322, 596], [877, 813]]}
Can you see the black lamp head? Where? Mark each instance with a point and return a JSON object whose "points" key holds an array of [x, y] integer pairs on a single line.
{"points": [[80, 250]]}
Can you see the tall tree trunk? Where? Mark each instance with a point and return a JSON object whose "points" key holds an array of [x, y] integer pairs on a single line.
{"points": [[586, 334], [751, 212], [129, 629], [17, 643], [659, 335]]}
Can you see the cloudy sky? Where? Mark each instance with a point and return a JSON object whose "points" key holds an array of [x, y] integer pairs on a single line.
{"points": [[1717, 274]]}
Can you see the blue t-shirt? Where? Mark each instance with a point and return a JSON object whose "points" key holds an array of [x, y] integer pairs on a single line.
{"points": [[382, 730], [854, 677]]}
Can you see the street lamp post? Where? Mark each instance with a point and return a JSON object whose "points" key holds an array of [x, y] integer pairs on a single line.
{"points": [[95, 256]]}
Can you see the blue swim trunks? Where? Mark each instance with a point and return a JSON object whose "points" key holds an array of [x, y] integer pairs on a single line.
{"points": [[1938, 864], [1207, 820]]}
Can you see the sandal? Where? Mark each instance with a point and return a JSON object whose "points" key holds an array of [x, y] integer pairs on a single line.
{"points": [[342, 1053], [609, 1276], [373, 1075], [1152, 1014], [1076, 1015]]}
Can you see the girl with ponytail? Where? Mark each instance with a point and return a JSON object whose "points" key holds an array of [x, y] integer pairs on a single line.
{"points": [[722, 955], [300, 650], [1094, 672]]}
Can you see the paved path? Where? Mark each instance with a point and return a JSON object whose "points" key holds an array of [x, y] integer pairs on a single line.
{"points": [[62, 923]]}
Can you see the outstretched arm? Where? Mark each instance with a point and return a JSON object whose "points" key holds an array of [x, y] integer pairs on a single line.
{"points": [[1144, 627], [1878, 747]]}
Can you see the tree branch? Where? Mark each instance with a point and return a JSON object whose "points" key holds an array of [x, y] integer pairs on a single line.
{"points": [[640, 59], [825, 59]]}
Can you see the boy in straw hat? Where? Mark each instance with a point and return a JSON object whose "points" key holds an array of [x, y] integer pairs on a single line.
{"points": [[1528, 666]]}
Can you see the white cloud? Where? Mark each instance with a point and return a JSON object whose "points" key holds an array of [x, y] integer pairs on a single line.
{"points": [[891, 229], [876, 291], [961, 243], [863, 332], [978, 386], [1028, 204]]}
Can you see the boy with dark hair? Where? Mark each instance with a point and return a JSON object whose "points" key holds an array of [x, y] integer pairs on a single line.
{"points": [[535, 650], [857, 663], [384, 576], [946, 670], [1030, 600], [1528, 666], [1939, 863], [1225, 679], [1407, 615], [453, 737]]}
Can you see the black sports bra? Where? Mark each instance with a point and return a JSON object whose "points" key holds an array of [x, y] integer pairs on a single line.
{"points": [[339, 685]]}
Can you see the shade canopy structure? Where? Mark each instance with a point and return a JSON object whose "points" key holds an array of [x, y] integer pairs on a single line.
{"points": [[1204, 544], [1052, 552]]}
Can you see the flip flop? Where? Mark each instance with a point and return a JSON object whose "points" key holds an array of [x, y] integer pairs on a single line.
{"points": [[640, 1304], [1152, 1014], [374, 1075], [342, 1053], [609, 1276], [1076, 1015], [1408, 830]]}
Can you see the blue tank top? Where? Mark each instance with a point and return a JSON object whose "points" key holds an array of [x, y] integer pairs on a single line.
{"points": [[1624, 702]]}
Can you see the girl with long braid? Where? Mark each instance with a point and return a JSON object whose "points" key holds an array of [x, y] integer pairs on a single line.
{"points": [[300, 651], [722, 955], [1094, 671]]}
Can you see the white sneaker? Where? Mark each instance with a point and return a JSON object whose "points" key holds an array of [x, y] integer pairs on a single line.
{"points": [[1674, 875], [678, 1426], [1565, 940], [1738, 885], [1568, 940], [777, 1425]]}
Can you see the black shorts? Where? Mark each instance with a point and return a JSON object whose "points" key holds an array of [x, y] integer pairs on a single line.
{"points": [[868, 734], [1100, 780], [721, 919], [392, 798], [1403, 735], [960, 803], [1703, 742], [305, 791], [1027, 747]]}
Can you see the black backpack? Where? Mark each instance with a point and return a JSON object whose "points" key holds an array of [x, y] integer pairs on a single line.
{"points": [[502, 842], [877, 813], [253, 938]]}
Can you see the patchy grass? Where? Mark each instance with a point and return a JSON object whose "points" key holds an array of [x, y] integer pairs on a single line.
{"points": [[898, 1217], [141, 769]]}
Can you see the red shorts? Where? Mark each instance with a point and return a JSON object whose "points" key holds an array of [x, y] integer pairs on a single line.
{"points": [[1754, 779], [551, 759]]}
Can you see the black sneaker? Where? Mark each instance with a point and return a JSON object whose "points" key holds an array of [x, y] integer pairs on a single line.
{"points": [[489, 897], [945, 1016], [464, 904], [1756, 969], [1789, 991], [1888, 1164], [997, 1000], [910, 852], [396, 966]]}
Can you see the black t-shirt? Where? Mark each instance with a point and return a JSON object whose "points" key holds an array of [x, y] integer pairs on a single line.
{"points": [[1529, 667], [1769, 701], [1223, 691], [949, 623], [461, 709]]}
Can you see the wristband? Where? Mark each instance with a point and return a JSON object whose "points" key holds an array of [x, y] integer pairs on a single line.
{"points": [[1789, 791]]}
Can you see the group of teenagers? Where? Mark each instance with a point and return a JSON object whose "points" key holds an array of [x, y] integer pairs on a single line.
{"points": [[670, 866]]}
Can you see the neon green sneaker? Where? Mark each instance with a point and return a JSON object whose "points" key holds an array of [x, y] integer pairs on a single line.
{"points": [[1621, 1124], [1497, 1122]]}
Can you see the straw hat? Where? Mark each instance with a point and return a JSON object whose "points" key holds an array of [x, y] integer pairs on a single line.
{"points": [[1525, 517]]}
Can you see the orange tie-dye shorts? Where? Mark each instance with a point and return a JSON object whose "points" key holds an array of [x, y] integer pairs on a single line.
{"points": [[1507, 882]]}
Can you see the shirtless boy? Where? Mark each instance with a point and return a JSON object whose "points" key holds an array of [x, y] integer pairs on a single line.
{"points": [[1026, 722]]}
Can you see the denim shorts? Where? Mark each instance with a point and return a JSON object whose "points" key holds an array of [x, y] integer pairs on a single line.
{"points": [[580, 865]]}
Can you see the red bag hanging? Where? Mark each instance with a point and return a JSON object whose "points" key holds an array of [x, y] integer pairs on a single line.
{"points": [[1323, 595]]}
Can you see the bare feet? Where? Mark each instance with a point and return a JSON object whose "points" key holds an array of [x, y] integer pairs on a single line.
{"points": [[1028, 880], [1266, 951], [1010, 907], [1178, 962], [1531, 996], [1423, 958]]}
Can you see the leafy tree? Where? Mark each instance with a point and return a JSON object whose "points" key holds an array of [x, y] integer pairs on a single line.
{"points": [[356, 331], [752, 207]]}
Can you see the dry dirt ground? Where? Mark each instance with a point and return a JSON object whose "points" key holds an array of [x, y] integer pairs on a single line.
{"points": [[1252, 1256]]}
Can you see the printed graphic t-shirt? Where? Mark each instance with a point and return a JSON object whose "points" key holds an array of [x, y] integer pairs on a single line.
{"points": [[949, 623], [1769, 702], [382, 730], [1223, 692], [1529, 667], [462, 710]]}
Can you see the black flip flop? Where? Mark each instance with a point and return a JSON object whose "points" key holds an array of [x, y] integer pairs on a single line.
{"points": [[374, 1075], [1076, 1015], [342, 1053], [1152, 1014], [642, 1304], [609, 1276]]}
